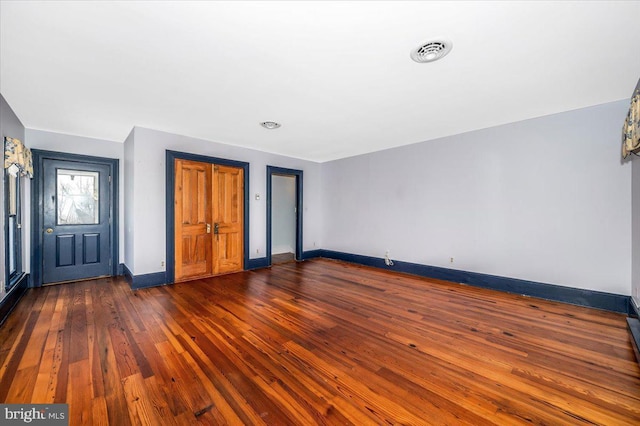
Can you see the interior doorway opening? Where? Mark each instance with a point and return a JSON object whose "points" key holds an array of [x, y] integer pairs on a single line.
{"points": [[284, 215], [283, 219]]}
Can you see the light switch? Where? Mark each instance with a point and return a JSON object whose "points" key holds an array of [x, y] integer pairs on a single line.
{"points": [[257, 196]]}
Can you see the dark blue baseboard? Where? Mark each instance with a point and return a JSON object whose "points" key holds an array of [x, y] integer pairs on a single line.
{"points": [[311, 254], [260, 262], [13, 297], [144, 280], [121, 269], [574, 296], [634, 328], [263, 262], [127, 273], [633, 312]]}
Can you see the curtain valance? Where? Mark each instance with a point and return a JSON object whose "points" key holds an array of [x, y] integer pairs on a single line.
{"points": [[631, 128], [17, 158]]}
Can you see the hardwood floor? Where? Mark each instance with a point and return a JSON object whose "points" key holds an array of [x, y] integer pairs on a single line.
{"points": [[276, 259], [318, 342]]}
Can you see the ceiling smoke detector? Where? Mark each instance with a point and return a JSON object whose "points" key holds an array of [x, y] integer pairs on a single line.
{"points": [[270, 125], [432, 50]]}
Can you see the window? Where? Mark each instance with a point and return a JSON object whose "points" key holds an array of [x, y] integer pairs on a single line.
{"points": [[13, 241], [17, 163], [78, 202]]}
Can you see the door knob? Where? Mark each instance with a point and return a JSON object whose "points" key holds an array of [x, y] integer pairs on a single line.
{"points": [[49, 231]]}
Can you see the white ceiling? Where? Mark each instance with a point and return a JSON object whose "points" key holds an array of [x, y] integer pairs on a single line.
{"points": [[337, 75]]}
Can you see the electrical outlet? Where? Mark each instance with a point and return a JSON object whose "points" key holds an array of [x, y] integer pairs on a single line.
{"points": [[387, 259], [257, 251], [314, 243], [162, 263], [451, 260]]}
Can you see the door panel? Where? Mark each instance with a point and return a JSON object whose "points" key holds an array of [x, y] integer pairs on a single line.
{"points": [[208, 219], [228, 214], [192, 220], [65, 250], [76, 223], [91, 247]]}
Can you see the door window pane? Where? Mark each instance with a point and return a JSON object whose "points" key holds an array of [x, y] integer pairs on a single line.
{"points": [[13, 194], [13, 242], [78, 197]]}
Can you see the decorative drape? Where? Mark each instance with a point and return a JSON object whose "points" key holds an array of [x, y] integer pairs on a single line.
{"points": [[17, 158], [631, 128]]}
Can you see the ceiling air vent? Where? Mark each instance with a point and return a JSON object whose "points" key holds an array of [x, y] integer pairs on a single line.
{"points": [[432, 50]]}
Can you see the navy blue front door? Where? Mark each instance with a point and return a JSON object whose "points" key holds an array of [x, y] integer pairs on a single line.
{"points": [[76, 221]]}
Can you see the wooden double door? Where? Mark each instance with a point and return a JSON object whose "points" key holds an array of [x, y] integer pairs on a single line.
{"points": [[208, 219]]}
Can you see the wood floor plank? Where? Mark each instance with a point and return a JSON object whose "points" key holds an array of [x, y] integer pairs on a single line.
{"points": [[141, 409], [79, 393], [11, 365], [111, 380], [317, 342], [99, 413]]}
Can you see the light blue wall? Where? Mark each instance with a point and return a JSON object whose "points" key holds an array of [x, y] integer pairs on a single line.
{"points": [[50, 141], [10, 124], [149, 191], [127, 220], [545, 200]]}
